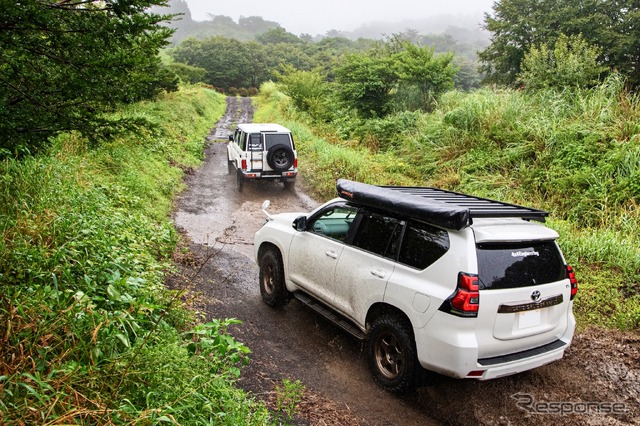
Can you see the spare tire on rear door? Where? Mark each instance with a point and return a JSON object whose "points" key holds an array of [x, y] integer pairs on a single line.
{"points": [[280, 157]]}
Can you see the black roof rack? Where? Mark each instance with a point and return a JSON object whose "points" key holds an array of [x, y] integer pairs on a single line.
{"points": [[448, 209]]}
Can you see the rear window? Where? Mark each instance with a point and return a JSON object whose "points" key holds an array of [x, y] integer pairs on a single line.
{"points": [[422, 245], [273, 139], [508, 265]]}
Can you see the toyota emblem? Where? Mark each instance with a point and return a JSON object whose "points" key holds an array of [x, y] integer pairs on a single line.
{"points": [[535, 296]]}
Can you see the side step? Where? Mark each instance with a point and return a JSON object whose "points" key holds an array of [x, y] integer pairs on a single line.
{"points": [[335, 318]]}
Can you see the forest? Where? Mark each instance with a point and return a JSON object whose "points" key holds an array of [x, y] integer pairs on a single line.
{"points": [[102, 114]]}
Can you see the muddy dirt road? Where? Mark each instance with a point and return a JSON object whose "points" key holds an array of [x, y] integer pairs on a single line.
{"points": [[598, 382]]}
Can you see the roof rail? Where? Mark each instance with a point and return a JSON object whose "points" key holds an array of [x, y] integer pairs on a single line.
{"points": [[448, 209]]}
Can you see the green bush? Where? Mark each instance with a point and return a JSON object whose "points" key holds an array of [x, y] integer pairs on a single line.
{"points": [[90, 333]]}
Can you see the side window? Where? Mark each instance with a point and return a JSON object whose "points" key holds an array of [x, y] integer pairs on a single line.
{"points": [[422, 245], [242, 140], [378, 234], [334, 222], [255, 142]]}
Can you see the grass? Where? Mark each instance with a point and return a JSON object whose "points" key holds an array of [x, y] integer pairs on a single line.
{"points": [[573, 153], [90, 334]]}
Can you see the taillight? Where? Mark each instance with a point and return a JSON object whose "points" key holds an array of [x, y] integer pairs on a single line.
{"points": [[244, 164], [295, 162], [465, 300], [573, 281]]}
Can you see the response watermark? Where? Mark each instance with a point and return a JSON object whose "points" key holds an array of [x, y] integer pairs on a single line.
{"points": [[529, 404]]}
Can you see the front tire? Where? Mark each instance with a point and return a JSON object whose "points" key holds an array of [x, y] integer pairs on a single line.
{"points": [[392, 355], [272, 287]]}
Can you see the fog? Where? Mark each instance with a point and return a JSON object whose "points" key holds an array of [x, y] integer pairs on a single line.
{"points": [[302, 17]]}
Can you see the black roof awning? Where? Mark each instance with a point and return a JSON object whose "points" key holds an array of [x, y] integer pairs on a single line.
{"points": [[447, 209]]}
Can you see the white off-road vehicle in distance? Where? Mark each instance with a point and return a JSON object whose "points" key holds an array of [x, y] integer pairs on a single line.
{"points": [[433, 280], [262, 151]]}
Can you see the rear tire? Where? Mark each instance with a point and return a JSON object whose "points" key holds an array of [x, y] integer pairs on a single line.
{"points": [[272, 287], [239, 180], [392, 355]]}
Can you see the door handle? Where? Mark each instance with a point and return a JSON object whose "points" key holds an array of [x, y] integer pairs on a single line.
{"points": [[378, 273], [332, 254]]}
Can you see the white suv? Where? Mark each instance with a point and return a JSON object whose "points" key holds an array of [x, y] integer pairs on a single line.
{"points": [[263, 151], [459, 285]]}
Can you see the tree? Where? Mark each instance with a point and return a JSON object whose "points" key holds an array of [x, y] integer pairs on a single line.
{"points": [[517, 25], [277, 35], [256, 24], [63, 64], [572, 62], [365, 83], [431, 74], [227, 61], [308, 90], [187, 73]]}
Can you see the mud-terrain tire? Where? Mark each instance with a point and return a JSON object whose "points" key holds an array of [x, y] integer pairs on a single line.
{"points": [[392, 355], [272, 287], [280, 157]]}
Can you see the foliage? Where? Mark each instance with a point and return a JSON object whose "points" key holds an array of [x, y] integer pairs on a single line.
{"points": [[248, 64], [228, 63], [90, 333], [288, 395], [518, 25], [365, 82], [231, 63], [572, 63], [395, 75], [246, 29], [277, 35], [308, 90], [575, 153], [432, 75], [187, 73], [64, 64]]}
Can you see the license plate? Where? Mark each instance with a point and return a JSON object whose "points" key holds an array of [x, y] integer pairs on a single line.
{"points": [[529, 319]]}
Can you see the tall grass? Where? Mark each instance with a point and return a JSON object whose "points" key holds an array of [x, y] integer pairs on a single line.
{"points": [[575, 153], [89, 333]]}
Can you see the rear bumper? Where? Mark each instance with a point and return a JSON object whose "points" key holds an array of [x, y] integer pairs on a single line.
{"points": [[522, 361], [456, 354], [289, 175]]}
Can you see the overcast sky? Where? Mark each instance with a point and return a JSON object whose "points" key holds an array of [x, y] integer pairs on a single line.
{"points": [[300, 16]]}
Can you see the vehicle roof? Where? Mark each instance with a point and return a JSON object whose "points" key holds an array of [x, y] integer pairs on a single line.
{"points": [[447, 209], [487, 230], [263, 127]]}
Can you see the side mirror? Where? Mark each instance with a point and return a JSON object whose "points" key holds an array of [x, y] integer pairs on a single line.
{"points": [[230, 138], [300, 223], [265, 206]]}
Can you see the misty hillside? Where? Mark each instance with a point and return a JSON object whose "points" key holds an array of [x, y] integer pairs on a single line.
{"points": [[463, 29]]}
